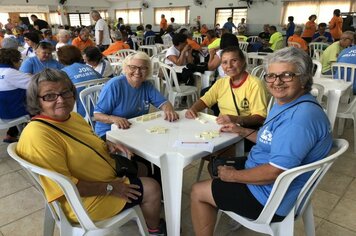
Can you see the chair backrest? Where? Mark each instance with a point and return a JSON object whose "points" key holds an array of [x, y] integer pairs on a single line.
{"points": [[167, 40], [317, 68], [258, 71], [344, 71], [252, 39], [169, 76], [316, 47], [89, 97], [243, 46], [70, 190], [8, 123], [150, 40], [318, 92], [86, 225], [198, 39], [92, 82], [294, 44], [282, 183], [124, 53]]}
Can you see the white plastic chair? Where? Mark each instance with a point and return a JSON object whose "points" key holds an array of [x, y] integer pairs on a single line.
{"points": [[259, 72], [55, 215], [89, 97], [174, 89], [302, 207], [344, 71], [317, 68], [150, 40], [294, 44], [124, 53], [116, 63], [198, 39], [18, 122], [167, 40], [90, 83], [252, 39], [347, 111], [318, 92], [315, 47], [243, 46]]}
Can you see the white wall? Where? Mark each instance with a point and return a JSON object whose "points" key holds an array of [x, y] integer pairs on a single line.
{"points": [[260, 12]]}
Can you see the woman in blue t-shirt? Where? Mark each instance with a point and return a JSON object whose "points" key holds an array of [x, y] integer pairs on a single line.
{"points": [[296, 132]]}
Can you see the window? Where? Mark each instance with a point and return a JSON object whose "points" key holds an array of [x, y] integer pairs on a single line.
{"points": [[104, 14], [181, 15], [81, 19], [54, 18], [130, 16], [3, 18], [221, 15], [322, 9]]}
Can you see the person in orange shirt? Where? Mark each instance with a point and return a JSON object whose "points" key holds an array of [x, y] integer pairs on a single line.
{"points": [[119, 44], [335, 25], [83, 41], [204, 29], [297, 39], [210, 37], [310, 28], [163, 25]]}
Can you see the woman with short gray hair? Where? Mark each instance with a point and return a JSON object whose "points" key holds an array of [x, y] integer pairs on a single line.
{"points": [[296, 132], [129, 95]]}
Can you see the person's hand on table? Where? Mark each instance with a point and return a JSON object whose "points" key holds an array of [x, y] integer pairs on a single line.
{"points": [[171, 115], [191, 114], [125, 191], [226, 173], [223, 119], [116, 147], [232, 128], [122, 123]]}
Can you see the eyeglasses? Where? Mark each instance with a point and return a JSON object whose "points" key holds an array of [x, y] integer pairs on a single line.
{"points": [[134, 68], [285, 77], [54, 96]]}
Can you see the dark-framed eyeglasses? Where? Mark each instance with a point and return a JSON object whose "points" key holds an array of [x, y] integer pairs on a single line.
{"points": [[133, 68], [50, 97], [284, 76]]}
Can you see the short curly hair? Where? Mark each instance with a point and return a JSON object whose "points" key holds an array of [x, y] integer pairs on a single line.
{"points": [[69, 54], [48, 74], [9, 56]]}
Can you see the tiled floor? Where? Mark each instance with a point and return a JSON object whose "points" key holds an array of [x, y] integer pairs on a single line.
{"points": [[21, 206]]}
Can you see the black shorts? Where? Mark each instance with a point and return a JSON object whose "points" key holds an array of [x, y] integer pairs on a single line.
{"points": [[237, 197], [137, 201]]}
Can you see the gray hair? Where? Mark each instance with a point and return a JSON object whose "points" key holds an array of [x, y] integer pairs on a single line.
{"points": [[63, 32], [9, 43], [48, 74], [302, 62], [95, 12], [138, 56], [116, 35]]}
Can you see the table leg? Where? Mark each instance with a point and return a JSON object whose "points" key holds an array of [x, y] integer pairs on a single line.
{"points": [[332, 106], [172, 178]]}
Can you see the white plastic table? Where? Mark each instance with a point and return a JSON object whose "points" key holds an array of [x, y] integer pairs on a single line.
{"points": [[158, 149], [333, 89]]}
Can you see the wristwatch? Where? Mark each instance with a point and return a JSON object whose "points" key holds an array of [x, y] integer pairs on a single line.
{"points": [[109, 189]]}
